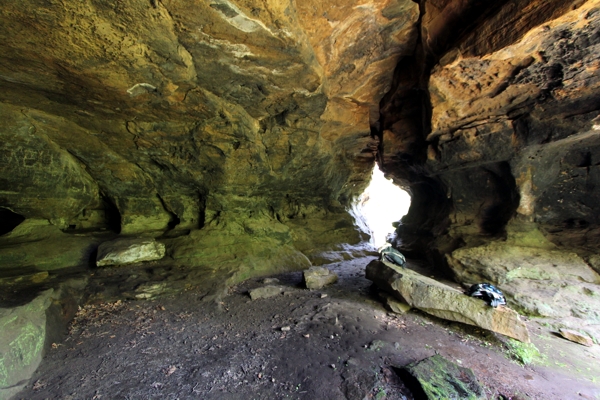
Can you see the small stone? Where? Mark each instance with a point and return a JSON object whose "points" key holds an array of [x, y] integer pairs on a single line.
{"points": [[270, 281], [265, 292], [576, 337], [323, 295], [319, 277], [398, 307], [332, 366], [306, 335], [285, 328]]}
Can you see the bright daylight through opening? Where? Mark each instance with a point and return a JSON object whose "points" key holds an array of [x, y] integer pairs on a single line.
{"points": [[381, 203]]}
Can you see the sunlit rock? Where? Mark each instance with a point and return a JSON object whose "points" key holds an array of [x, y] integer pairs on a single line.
{"points": [[129, 251], [576, 337]]}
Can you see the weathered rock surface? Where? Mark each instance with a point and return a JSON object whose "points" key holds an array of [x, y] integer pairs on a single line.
{"points": [[576, 337], [507, 133], [22, 342], [445, 302], [129, 251], [540, 281], [30, 323], [397, 306], [265, 292], [40, 245], [171, 116], [438, 378], [319, 277]]}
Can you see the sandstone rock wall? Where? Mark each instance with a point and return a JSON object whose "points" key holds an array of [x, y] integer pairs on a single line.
{"points": [[146, 117], [496, 128]]}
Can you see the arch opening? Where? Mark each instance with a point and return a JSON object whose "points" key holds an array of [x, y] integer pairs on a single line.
{"points": [[381, 204]]}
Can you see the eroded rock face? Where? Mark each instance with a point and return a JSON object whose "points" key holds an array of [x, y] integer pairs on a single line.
{"points": [[493, 125], [510, 135], [240, 130], [157, 116]]}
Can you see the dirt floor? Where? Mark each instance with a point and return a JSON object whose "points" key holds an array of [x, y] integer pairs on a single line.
{"points": [[335, 343]]}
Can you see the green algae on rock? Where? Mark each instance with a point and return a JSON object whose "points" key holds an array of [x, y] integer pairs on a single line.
{"points": [[438, 378]]}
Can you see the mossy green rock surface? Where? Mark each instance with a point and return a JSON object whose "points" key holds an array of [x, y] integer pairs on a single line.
{"points": [[439, 378], [22, 336]]}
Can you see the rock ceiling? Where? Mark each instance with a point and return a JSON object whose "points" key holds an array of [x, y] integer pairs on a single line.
{"points": [[252, 124]]}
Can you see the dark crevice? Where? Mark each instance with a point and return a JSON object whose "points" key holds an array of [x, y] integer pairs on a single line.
{"points": [[174, 219], [9, 220], [112, 214], [504, 200]]}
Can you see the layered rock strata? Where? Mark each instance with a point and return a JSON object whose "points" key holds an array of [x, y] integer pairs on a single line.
{"points": [[493, 127], [251, 120]]}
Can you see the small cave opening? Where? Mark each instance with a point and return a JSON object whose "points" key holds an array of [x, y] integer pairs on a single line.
{"points": [[112, 215], [9, 220], [379, 206]]}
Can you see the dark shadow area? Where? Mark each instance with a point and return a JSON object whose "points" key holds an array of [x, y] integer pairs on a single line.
{"points": [[411, 383], [498, 212], [112, 215], [9, 220]]}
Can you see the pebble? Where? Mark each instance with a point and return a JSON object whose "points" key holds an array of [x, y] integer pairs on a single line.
{"points": [[323, 295], [306, 335], [332, 366], [285, 328]]}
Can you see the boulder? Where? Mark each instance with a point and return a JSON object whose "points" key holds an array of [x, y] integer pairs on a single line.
{"points": [[319, 277], [398, 307], [129, 251], [445, 302], [265, 292], [576, 337], [539, 280], [22, 342], [438, 378]]}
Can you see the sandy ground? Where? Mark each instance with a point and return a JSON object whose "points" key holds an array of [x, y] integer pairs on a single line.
{"points": [[335, 343]]}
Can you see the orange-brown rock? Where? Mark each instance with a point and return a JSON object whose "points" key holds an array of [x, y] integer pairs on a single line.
{"points": [[155, 116]]}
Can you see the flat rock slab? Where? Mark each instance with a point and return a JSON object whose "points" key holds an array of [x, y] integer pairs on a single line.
{"points": [[265, 292], [576, 337], [319, 277], [445, 302], [129, 251], [438, 378]]}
